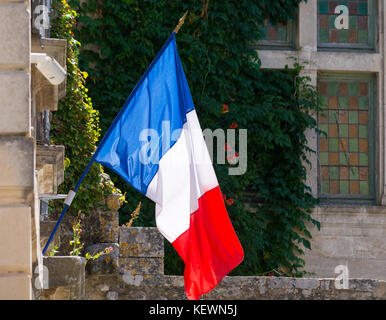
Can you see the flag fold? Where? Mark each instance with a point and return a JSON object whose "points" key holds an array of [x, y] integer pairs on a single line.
{"points": [[156, 145]]}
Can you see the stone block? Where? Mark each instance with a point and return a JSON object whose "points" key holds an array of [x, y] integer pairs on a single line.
{"points": [[14, 104], [45, 94], [50, 163], [358, 267], [105, 264], [46, 228], [56, 48], [363, 284], [66, 273], [16, 162], [351, 236], [15, 286], [281, 283], [99, 286], [141, 242], [142, 265], [16, 239], [113, 201], [305, 283], [101, 226], [15, 30]]}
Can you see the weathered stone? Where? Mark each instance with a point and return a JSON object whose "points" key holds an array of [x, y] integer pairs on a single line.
{"points": [[140, 242], [50, 163], [140, 277], [350, 236], [112, 295], [15, 34], [306, 283], [159, 287], [105, 264], [101, 226], [98, 285], [132, 279], [14, 93], [142, 265], [45, 94], [16, 162], [113, 201], [68, 274], [15, 227], [46, 228], [17, 286], [64, 271], [66, 233], [380, 293], [363, 284], [325, 284], [56, 48], [282, 283]]}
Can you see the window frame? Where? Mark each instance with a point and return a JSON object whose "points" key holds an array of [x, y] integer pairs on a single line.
{"points": [[289, 44], [341, 199], [370, 47]]}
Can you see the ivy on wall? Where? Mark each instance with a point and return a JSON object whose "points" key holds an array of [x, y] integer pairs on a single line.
{"points": [[76, 123], [120, 40]]}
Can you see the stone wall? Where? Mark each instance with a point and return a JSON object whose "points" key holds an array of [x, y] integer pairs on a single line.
{"points": [[350, 236], [64, 278], [140, 275], [19, 221]]}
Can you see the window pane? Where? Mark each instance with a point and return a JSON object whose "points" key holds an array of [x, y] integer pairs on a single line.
{"points": [[346, 151], [278, 36], [361, 24]]}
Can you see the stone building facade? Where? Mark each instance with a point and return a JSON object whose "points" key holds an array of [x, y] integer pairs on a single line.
{"points": [[343, 50], [348, 173], [30, 169]]}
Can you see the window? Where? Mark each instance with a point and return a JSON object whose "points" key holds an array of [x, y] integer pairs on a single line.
{"points": [[279, 36], [346, 154], [361, 30]]}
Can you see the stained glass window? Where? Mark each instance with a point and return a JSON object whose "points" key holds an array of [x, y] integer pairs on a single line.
{"points": [[280, 35], [346, 154], [361, 24]]}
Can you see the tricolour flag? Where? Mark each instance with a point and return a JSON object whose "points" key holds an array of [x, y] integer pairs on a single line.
{"points": [[156, 145]]}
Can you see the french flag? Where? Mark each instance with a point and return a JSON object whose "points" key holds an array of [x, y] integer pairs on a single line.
{"points": [[156, 145]]}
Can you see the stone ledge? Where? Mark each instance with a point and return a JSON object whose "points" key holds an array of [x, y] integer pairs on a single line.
{"points": [[50, 165], [140, 242], [56, 48], [64, 277], [64, 271], [18, 286], [126, 286], [142, 266], [328, 209]]}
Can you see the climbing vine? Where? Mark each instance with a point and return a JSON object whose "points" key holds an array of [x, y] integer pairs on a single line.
{"points": [[76, 123], [230, 90]]}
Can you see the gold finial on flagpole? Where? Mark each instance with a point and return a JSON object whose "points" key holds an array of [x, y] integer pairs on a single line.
{"points": [[181, 22]]}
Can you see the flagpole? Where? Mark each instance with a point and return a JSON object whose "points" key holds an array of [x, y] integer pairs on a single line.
{"points": [[68, 201], [72, 193]]}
